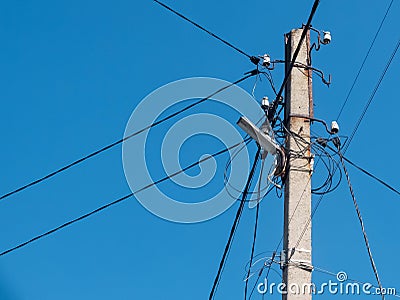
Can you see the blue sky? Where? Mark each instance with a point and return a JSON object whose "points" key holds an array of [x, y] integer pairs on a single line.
{"points": [[71, 74]]}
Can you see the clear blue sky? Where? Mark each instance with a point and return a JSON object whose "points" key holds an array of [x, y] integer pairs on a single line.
{"points": [[71, 73]]}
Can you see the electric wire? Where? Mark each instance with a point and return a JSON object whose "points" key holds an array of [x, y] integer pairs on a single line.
{"points": [[253, 59], [326, 187], [228, 186], [234, 226], [368, 173], [252, 248], [321, 153], [337, 144], [84, 158], [101, 208], [372, 96], [364, 61]]}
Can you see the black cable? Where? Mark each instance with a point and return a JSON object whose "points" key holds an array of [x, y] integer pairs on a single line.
{"points": [[37, 181], [234, 226], [65, 225], [227, 185], [337, 144], [364, 61], [252, 249], [253, 59], [272, 111], [368, 173], [372, 96], [101, 208], [327, 186]]}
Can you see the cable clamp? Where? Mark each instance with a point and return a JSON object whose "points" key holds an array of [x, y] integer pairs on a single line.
{"points": [[293, 250], [303, 264], [301, 250], [255, 60]]}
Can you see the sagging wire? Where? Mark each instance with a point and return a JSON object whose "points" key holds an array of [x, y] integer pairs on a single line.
{"points": [[326, 158], [337, 143], [328, 161], [318, 150], [364, 61], [229, 186], [367, 173], [330, 164], [254, 241], [269, 77], [125, 138], [317, 145], [255, 60], [115, 202], [254, 196], [271, 81], [234, 227]]}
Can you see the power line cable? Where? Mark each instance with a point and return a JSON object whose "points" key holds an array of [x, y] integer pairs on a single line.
{"points": [[101, 208], [368, 173], [255, 60], [336, 141], [76, 162], [372, 96], [40, 236], [234, 226], [252, 249], [364, 61]]}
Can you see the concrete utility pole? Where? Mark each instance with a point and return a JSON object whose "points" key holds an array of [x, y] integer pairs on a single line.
{"points": [[296, 256]]}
